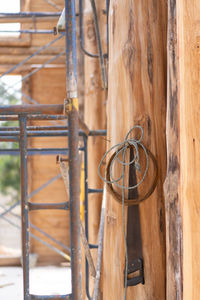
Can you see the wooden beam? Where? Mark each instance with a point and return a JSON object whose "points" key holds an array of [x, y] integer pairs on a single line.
{"points": [[28, 67], [39, 59], [28, 20], [172, 182], [188, 79], [137, 95], [29, 51], [95, 115], [22, 41]]}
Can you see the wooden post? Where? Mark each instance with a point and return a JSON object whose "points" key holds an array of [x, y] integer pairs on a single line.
{"points": [[137, 95], [172, 182], [183, 150], [95, 114]]}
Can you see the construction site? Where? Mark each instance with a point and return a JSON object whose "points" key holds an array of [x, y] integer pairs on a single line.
{"points": [[99, 154]]}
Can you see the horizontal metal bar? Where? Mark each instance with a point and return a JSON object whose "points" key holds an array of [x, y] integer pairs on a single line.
{"points": [[42, 206], [37, 133], [91, 191], [31, 152], [37, 297], [34, 117], [9, 139], [29, 31], [30, 15], [32, 109], [57, 127], [9, 128]]}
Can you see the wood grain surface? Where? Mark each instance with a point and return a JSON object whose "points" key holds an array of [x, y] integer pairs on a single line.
{"points": [[137, 95]]}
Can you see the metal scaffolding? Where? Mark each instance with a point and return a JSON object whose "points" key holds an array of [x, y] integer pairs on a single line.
{"points": [[53, 113], [21, 134]]}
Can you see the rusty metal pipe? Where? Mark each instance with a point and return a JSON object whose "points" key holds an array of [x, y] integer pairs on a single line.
{"points": [[34, 117], [47, 133], [40, 206], [37, 297], [24, 205], [10, 128], [74, 179]]}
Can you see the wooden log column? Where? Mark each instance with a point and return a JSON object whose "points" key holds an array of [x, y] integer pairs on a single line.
{"points": [[172, 182], [137, 95], [188, 59], [94, 115]]}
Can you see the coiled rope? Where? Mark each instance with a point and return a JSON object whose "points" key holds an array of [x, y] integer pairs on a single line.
{"points": [[121, 148]]}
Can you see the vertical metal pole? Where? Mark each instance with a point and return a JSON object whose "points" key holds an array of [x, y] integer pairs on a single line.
{"points": [[24, 205], [86, 214], [73, 138]]}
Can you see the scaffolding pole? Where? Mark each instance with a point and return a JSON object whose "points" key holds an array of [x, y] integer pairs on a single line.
{"points": [[27, 17], [71, 108]]}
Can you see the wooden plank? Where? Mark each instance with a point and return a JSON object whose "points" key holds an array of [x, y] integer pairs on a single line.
{"points": [[95, 116], [172, 187], [137, 95], [10, 260], [4, 68], [28, 51], [38, 59], [24, 41], [188, 59], [29, 20], [28, 67]]}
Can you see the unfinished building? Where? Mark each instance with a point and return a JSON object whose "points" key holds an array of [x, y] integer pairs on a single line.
{"points": [[107, 134]]}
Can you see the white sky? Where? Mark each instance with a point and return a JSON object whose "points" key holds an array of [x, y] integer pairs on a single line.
{"points": [[11, 80], [9, 6]]}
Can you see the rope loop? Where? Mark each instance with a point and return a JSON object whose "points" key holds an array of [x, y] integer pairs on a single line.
{"points": [[121, 149]]}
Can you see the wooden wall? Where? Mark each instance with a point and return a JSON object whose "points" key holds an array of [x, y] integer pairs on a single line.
{"points": [[137, 95], [183, 106], [172, 183], [48, 86]]}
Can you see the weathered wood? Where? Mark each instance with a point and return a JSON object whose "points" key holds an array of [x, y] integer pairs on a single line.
{"points": [[10, 260], [172, 187], [28, 20], [31, 50], [26, 68], [137, 95], [188, 107], [95, 116], [22, 41], [38, 59]]}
